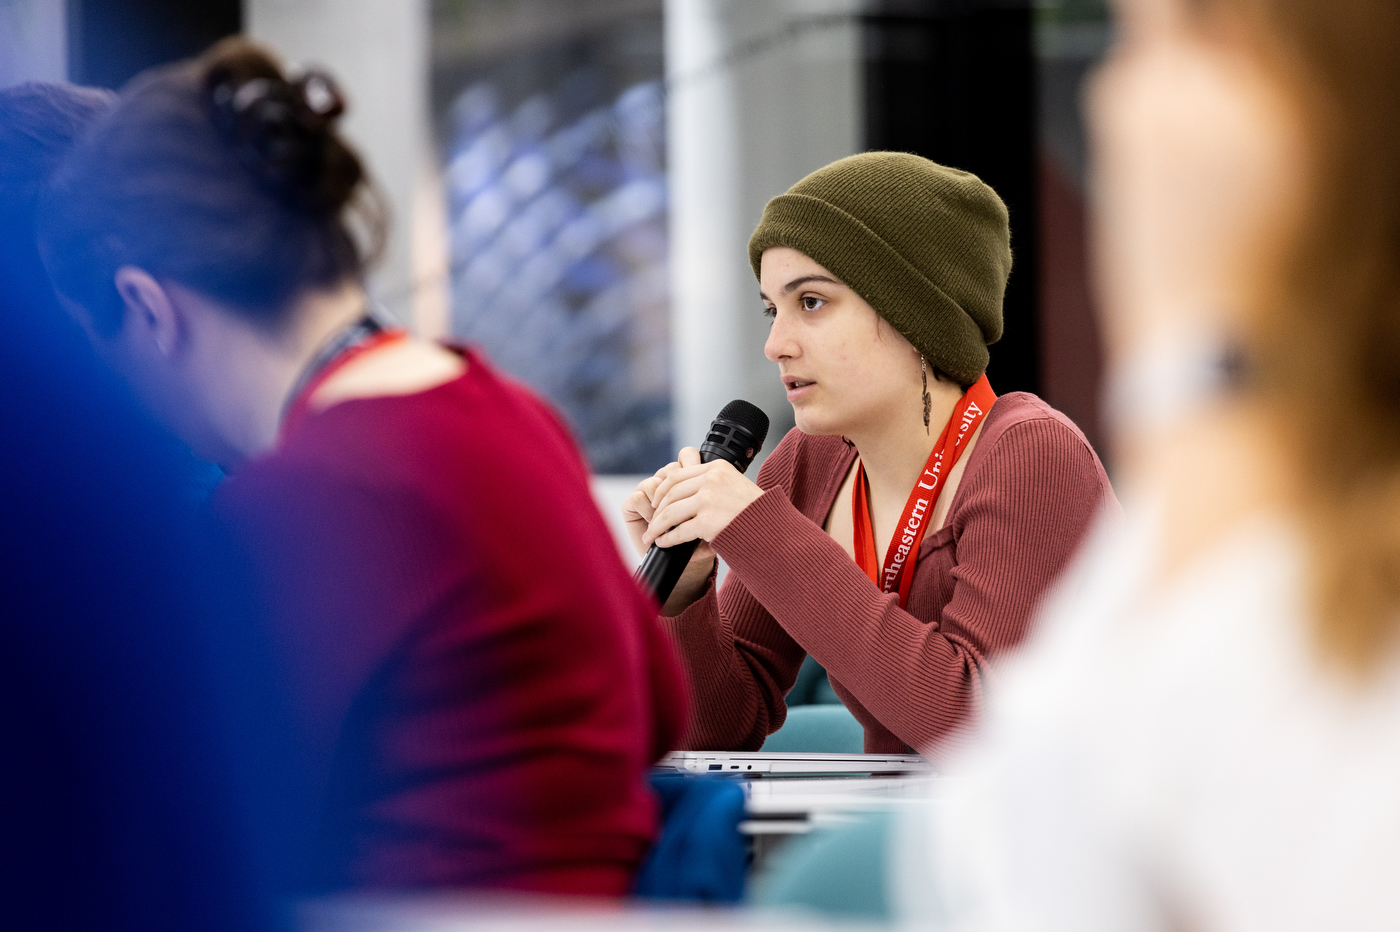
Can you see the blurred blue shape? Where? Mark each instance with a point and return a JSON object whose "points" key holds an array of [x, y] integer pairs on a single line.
{"points": [[487, 211], [475, 107], [532, 119], [528, 174], [474, 167], [149, 782], [589, 277]]}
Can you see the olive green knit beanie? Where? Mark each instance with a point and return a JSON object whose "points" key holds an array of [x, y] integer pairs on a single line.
{"points": [[927, 246]]}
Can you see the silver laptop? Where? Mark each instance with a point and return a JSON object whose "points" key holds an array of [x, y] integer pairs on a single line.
{"points": [[805, 764]]}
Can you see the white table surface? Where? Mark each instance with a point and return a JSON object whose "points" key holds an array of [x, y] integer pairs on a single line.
{"points": [[797, 805], [770, 795]]}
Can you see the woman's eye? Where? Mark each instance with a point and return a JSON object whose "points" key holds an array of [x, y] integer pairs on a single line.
{"points": [[811, 302], [770, 311]]}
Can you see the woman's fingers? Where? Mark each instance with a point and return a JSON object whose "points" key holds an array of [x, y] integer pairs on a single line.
{"points": [[664, 487], [640, 509], [637, 513], [693, 501], [708, 496], [676, 512], [688, 456], [678, 487], [638, 506], [686, 530], [686, 460], [637, 510], [674, 524], [666, 514]]}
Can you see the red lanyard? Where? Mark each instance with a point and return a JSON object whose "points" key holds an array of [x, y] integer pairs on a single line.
{"points": [[300, 405], [898, 572]]}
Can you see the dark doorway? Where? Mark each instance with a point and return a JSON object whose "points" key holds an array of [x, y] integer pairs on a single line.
{"points": [[955, 82], [109, 41]]}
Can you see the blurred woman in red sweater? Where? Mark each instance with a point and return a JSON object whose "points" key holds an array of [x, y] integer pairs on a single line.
{"points": [[478, 715], [902, 533]]}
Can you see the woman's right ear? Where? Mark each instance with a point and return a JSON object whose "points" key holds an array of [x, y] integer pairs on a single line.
{"points": [[149, 311]]}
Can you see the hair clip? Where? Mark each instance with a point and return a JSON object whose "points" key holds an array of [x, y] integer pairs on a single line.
{"points": [[321, 94]]}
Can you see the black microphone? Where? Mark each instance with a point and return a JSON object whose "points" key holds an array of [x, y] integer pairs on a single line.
{"points": [[736, 437]]}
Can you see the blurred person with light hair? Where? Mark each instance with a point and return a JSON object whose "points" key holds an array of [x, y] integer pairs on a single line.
{"points": [[1206, 733]]}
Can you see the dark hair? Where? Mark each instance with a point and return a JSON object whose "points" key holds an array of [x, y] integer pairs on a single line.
{"points": [[218, 173], [38, 125]]}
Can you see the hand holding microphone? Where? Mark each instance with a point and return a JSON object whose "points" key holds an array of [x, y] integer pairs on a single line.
{"points": [[692, 500]]}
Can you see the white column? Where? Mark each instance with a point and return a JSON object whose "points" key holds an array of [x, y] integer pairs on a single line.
{"points": [[378, 50], [33, 41], [760, 94], [703, 174]]}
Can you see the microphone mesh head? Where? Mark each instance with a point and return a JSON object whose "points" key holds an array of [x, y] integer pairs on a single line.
{"points": [[748, 416]]}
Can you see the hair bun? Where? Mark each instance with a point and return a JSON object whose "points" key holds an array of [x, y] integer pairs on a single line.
{"points": [[284, 131]]}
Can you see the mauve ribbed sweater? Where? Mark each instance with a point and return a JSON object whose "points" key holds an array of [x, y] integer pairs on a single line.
{"points": [[1031, 488]]}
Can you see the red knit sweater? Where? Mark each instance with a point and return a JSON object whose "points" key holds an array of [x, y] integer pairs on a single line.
{"points": [[1030, 489], [481, 684]]}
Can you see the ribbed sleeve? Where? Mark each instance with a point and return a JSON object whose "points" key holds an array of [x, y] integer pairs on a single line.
{"points": [[1030, 491]]}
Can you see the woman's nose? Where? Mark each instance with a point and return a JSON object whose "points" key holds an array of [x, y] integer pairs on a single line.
{"points": [[780, 344]]}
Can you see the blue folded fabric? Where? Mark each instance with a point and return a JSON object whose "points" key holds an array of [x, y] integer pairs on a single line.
{"points": [[700, 854]]}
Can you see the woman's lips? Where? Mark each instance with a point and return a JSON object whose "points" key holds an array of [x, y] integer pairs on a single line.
{"points": [[798, 388]]}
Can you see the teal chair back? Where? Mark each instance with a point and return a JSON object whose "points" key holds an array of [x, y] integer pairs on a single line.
{"points": [[824, 729], [877, 868], [813, 686], [840, 872]]}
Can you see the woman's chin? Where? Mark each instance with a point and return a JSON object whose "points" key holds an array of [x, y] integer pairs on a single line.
{"points": [[812, 424]]}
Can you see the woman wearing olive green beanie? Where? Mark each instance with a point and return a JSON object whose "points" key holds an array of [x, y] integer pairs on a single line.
{"points": [[902, 533]]}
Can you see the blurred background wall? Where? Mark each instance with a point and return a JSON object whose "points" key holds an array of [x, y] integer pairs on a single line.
{"points": [[33, 41], [1072, 36], [378, 49], [760, 94], [572, 182]]}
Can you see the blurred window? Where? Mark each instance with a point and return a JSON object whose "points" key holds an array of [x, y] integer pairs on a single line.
{"points": [[552, 116]]}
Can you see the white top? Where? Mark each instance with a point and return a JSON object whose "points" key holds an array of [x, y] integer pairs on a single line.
{"points": [[1178, 760]]}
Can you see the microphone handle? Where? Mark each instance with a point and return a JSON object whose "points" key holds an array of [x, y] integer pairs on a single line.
{"points": [[663, 566]]}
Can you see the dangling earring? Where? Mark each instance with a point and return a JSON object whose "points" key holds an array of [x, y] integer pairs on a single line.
{"points": [[928, 402]]}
